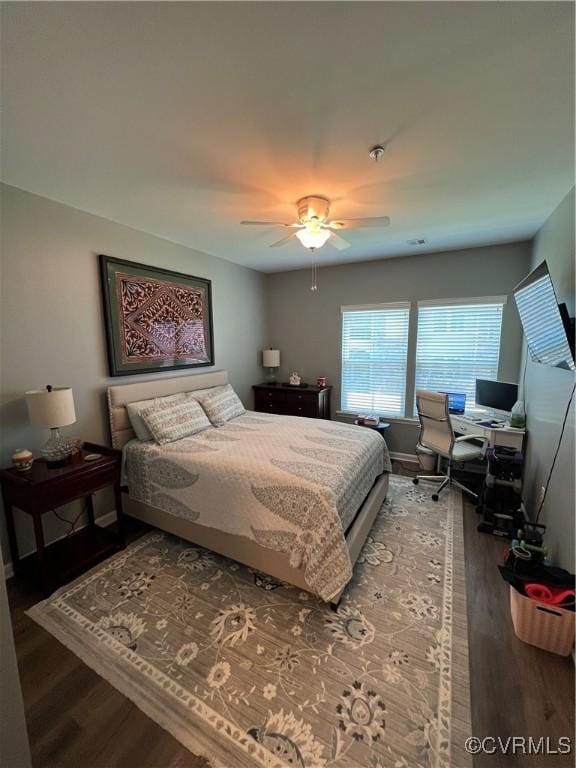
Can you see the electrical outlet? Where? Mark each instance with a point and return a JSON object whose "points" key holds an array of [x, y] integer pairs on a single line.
{"points": [[542, 494]]}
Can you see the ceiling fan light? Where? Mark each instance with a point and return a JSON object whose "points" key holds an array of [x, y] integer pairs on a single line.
{"points": [[313, 238]]}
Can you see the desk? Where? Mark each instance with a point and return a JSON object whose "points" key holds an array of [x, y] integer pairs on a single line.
{"points": [[504, 436]]}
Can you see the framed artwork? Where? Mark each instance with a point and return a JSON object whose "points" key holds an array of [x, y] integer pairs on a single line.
{"points": [[156, 320]]}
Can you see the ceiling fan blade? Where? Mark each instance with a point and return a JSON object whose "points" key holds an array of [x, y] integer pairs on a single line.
{"points": [[283, 241], [265, 223], [374, 221], [338, 242]]}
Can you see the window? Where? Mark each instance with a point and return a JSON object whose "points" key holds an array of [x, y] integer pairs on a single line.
{"points": [[374, 352], [458, 342]]}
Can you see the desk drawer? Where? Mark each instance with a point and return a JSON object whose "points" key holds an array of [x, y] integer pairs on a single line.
{"points": [[465, 428]]}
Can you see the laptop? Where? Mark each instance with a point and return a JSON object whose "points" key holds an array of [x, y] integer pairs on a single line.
{"points": [[456, 402]]}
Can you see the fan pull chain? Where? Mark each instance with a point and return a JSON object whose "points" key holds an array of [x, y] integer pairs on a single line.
{"points": [[314, 286]]}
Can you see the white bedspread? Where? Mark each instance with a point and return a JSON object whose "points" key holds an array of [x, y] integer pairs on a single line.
{"points": [[289, 483]]}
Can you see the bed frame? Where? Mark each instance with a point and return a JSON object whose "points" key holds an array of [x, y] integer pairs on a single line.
{"points": [[240, 548]]}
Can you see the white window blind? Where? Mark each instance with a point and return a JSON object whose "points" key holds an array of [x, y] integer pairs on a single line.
{"points": [[374, 351], [458, 342]]}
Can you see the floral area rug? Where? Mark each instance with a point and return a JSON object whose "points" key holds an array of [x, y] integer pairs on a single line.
{"points": [[248, 671]]}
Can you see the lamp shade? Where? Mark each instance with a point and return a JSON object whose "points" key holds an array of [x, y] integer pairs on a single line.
{"points": [[51, 407], [271, 358], [313, 237]]}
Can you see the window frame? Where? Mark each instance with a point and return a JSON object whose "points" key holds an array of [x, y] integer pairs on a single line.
{"points": [[412, 343], [358, 308]]}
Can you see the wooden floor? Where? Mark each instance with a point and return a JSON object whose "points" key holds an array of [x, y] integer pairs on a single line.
{"points": [[77, 720]]}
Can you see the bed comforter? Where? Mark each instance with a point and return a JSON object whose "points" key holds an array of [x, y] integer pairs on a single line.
{"points": [[289, 483]]}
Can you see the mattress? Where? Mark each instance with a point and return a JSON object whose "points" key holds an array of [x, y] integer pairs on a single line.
{"points": [[291, 484]]}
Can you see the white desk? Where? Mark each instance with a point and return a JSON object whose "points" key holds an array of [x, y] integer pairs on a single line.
{"points": [[505, 436]]}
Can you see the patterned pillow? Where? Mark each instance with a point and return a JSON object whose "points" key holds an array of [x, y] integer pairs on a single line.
{"points": [[134, 411], [175, 421], [221, 405], [197, 394]]}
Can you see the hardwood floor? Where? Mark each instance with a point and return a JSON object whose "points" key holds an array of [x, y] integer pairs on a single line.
{"points": [[516, 689], [77, 720]]}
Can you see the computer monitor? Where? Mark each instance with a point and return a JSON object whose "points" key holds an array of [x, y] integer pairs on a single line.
{"points": [[496, 395]]}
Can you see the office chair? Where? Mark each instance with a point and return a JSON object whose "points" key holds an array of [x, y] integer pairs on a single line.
{"points": [[437, 437]]}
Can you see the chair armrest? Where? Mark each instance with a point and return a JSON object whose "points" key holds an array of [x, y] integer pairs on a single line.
{"points": [[471, 437]]}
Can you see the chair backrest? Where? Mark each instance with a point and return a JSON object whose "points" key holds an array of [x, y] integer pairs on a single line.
{"points": [[435, 428]]}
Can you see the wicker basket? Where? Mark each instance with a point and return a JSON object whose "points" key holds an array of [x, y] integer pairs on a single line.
{"points": [[545, 626]]}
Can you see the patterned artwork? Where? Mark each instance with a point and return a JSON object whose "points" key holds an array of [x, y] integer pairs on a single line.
{"points": [[156, 319], [253, 673]]}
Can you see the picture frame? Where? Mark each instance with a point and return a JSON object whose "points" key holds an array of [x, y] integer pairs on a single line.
{"points": [[156, 319]]}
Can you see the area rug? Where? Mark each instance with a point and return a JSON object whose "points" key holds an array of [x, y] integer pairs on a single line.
{"points": [[247, 671]]}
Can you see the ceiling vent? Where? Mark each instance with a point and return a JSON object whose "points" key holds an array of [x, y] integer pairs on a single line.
{"points": [[417, 241]]}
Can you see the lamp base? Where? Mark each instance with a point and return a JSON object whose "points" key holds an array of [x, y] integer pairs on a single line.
{"points": [[56, 452], [271, 376]]}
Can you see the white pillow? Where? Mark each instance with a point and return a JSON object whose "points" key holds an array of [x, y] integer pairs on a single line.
{"points": [[134, 411], [196, 394], [221, 404], [175, 421]]}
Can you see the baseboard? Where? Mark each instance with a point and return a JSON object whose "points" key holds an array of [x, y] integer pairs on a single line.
{"points": [[409, 457], [103, 520]]}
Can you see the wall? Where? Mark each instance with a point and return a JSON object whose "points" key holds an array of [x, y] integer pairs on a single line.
{"points": [[547, 392], [305, 325], [52, 320], [14, 747]]}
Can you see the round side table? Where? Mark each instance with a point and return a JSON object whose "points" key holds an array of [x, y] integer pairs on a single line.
{"points": [[381, 427]]}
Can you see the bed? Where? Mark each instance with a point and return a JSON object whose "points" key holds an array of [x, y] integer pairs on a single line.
{"points": [[291, 497]]}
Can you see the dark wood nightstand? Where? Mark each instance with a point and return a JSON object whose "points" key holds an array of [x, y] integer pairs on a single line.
{"points": [[381, 427], [42, 489], [311, 401]]}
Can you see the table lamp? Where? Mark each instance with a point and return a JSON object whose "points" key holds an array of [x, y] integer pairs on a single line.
{"points": [[271, 360], [52, 408]]}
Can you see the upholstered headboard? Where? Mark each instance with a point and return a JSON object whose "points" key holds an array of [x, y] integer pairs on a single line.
{"points": [[120, 395]]}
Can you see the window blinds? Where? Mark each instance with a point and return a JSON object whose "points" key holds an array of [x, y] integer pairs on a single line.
{"points": [[374, 352], [458, 342]]}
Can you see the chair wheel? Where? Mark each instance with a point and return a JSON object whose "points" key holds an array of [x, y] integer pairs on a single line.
{"points": [[435, 497], [415, 481]]}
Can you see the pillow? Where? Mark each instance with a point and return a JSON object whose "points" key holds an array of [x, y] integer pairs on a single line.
{"points": [[174, 421], [221, 405], [134, 411], [196, 394]]}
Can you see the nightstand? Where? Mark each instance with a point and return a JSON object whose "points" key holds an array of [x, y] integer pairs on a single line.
{"points": [[381, 427], [41, 490]]}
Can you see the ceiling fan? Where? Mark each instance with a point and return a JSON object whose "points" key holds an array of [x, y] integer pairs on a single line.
{"points": [[313, 228]]}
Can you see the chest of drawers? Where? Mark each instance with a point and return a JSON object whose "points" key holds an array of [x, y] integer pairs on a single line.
{"points": [[312, 401]]}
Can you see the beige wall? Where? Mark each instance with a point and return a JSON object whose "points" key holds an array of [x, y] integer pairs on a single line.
{"points": [[52, 322], [305, 326], [547, 392]]}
